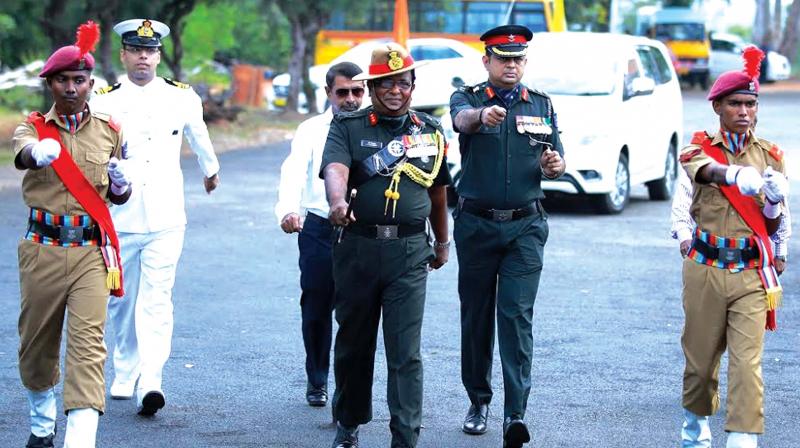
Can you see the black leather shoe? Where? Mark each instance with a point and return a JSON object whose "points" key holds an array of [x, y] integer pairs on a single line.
{"points": [[317, 396], [40, 442], [475, 421], [515, 433], [345, 437], [151, 403]]}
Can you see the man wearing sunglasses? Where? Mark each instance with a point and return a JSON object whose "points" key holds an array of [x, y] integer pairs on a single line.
{"points": [[302, 190], [155, 113], [395, 159]]}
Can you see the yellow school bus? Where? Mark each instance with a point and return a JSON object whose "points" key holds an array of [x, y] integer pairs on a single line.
{"points": [[463, 20]]}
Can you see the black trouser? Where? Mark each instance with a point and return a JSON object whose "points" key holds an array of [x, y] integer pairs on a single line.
{"points": [[499, 264], [316, 302], [375, 277]]}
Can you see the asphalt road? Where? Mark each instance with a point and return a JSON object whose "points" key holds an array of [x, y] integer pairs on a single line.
{"points": [[607, 361]]}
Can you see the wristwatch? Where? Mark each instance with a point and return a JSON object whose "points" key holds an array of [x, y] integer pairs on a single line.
{"points": [[438, 245], [781, 257]]}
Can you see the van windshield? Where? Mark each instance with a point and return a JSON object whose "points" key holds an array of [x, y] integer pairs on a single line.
{"points": [[680, 31]]}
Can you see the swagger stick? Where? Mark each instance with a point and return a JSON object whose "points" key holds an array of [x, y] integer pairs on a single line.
{"points": [[349, 212]]}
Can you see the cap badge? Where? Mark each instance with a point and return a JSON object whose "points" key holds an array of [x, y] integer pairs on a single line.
{"points": [[395, 62], [145, 30], [511, 37], [752, 86]]}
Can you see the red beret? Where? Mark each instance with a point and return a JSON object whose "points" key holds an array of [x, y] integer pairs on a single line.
{"points": [[74, 57], [67, 58], [745, 81], [733, 82]]}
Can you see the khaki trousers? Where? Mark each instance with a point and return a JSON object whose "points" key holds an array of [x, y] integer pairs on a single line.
{"points": [[54, 280], [724, 310]]}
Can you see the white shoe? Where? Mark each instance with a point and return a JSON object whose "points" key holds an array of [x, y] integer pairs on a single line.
{"points": [[81, 428], [696, 432], [742, 440], [122, 390], [150, 402]]}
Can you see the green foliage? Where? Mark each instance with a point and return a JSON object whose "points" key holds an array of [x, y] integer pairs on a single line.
{"points": [[587, 14], [20, 98], [745, 32]]}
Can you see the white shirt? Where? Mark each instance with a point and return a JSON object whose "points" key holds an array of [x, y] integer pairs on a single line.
{"points": [[683, 225], [300, 187], [154, 118]]}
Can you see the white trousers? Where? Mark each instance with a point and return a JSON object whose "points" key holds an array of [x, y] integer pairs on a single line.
{"points": [[142, 320]]}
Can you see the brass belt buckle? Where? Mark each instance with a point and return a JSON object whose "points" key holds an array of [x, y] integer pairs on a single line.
{"points": [[502, 215], [728, 255], [70, 234], [386, 232]]}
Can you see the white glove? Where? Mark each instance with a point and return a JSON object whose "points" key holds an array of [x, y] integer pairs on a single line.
{"points": [[118, 174], [776, 186], [747, 178], [45, 151]]}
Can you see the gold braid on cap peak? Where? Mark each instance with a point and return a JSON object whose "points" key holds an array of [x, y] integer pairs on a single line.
{"points": [[500, 52]]}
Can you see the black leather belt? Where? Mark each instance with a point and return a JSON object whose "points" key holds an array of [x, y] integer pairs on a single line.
{"points": [[724, 254], [493, 214], [65, 234], [386, 232]]}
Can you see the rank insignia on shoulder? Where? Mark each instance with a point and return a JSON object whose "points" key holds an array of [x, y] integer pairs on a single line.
{"points": [[107, 89], [114, 124], [176, 83], [776, 153]]}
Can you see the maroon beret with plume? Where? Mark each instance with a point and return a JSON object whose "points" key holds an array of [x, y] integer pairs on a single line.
{"points": [[74, 57], [744, 81]]}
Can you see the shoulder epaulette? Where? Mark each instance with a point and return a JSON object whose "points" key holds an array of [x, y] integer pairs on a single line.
{"points": [[771, 148], [107, 89], [699, 137], [176, 83], [427, 119], [537, 92], [347, 115]]}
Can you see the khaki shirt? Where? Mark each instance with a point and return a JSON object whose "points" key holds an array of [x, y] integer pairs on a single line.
{"points": [[91, 146], [710, 209]]}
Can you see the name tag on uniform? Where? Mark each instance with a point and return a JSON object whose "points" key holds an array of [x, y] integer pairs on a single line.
{"points": [[371, 144], [533, 125], [421, 145]]}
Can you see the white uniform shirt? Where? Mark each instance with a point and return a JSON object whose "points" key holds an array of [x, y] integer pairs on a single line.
{"points": [[683, 225], [154, 118], [301, 187]]}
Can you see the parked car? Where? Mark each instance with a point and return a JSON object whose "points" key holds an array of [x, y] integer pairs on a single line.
{"points": [[619, 112], [726, 55], [450, 62]]}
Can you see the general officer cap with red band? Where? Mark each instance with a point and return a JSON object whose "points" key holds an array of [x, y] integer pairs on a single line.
{"points": [[742, 81], [74, 57], [388, 60], [507, 41]]}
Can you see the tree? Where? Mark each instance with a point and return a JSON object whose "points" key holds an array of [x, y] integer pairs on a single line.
{"points": [[306, 18], [762, 31], [173, 13], [790, 35]]}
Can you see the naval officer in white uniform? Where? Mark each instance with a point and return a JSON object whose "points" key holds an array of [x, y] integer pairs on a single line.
{"points": [[156, 114]]}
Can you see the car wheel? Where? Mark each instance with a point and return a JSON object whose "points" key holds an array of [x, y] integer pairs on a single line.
{"points": [[663, 189], [615, 201]]}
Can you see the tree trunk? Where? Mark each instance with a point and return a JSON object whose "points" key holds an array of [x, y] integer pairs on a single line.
{"points": [[174, 14], [777, 23], [310, 35], [761, 26], [790, 33], [106, 12], [54, 28], [296, 64]]}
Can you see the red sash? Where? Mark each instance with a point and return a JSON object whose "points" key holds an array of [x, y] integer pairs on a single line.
{"points": [[749, 210], [87, 196]]}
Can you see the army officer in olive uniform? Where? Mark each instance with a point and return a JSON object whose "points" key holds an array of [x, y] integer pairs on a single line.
{"points": [[509, 141], [395, 159]]}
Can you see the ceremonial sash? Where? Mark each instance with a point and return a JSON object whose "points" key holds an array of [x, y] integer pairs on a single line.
{"points": [[749, 210], [87, 196]]}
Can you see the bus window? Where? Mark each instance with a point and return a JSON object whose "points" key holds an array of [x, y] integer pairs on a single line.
{"points": [[437, 17], [530, 15], [481, 16]]}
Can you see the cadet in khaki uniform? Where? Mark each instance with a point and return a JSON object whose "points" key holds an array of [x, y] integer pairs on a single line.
{"points": [[381, 264], [730, 287], [509, 140], [68, 259]]}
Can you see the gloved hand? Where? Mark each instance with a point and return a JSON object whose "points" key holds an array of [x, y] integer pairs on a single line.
{"points": [[746, 178], [45, 151], [118, 174], [776, 186]]}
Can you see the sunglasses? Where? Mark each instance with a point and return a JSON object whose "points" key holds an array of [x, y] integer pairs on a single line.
{"points": [[357, 92], [389, 84]]}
